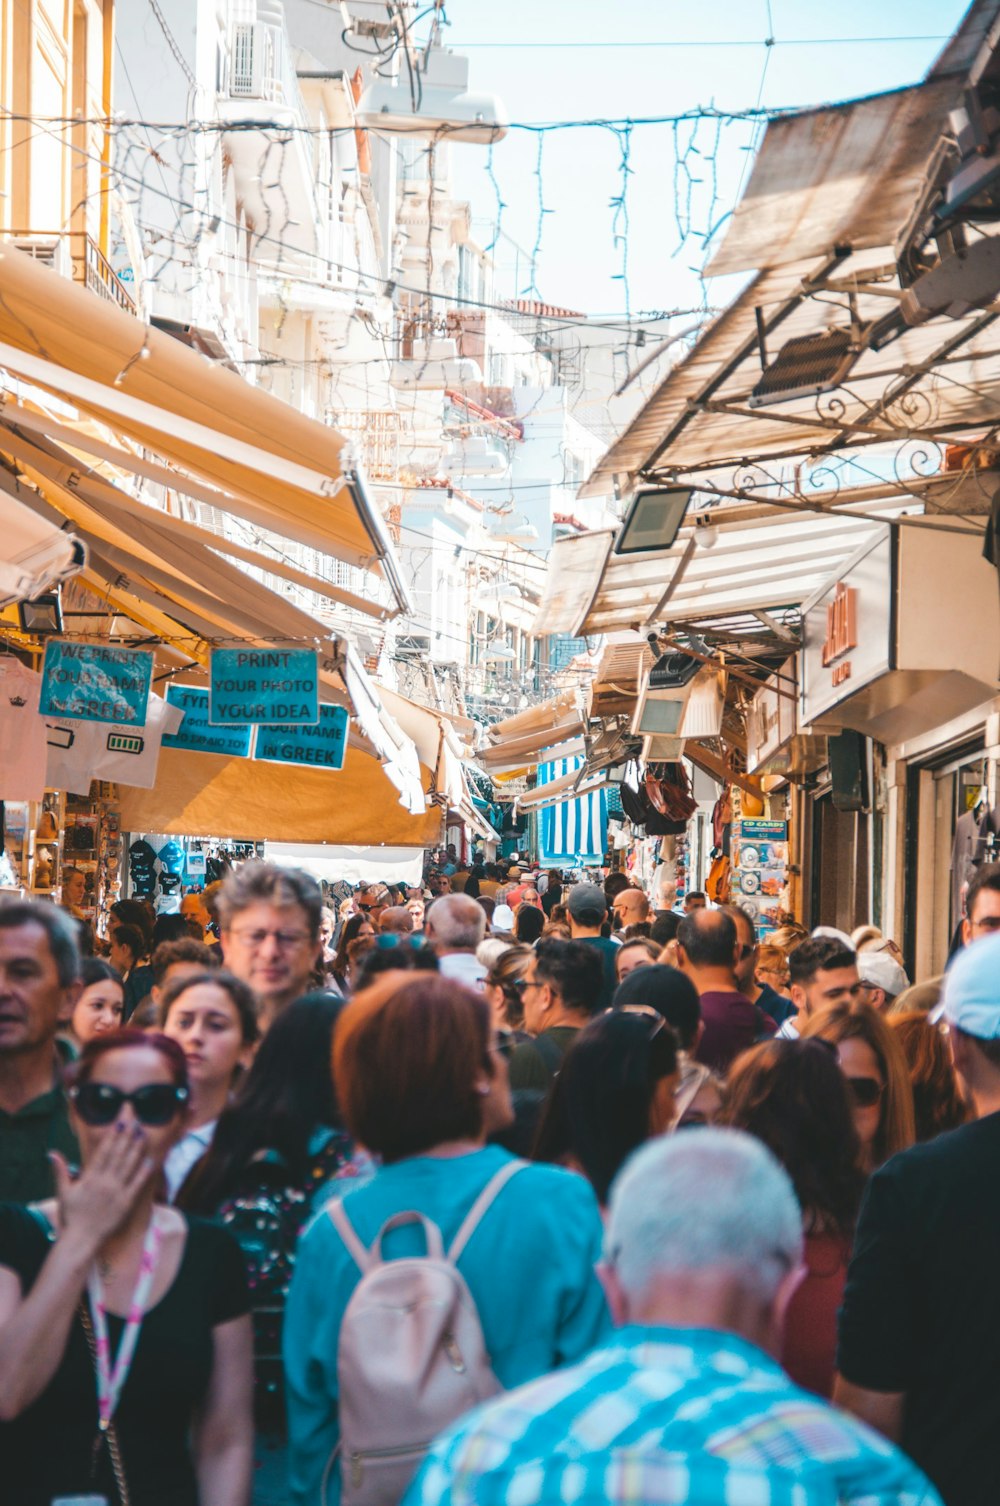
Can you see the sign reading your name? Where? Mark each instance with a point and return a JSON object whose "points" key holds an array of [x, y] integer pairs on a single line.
{"points": [[263, 685], [319, 747], [95, 682]]}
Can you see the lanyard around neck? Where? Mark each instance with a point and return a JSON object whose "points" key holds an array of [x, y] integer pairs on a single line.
{"points": [[111, 1378]]}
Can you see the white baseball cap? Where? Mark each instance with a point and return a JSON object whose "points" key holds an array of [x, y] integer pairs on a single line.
{"points": [[882, 971], [971, 996]]}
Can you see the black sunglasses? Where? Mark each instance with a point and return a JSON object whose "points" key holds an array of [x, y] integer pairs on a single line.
{"points": [[154, 1105], [866, 1091]]}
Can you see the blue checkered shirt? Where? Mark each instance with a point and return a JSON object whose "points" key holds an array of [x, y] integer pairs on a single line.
{"points": [[666, 1417]]}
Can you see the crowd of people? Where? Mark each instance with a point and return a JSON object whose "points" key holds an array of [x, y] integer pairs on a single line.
{"points": [[503, 1189]]}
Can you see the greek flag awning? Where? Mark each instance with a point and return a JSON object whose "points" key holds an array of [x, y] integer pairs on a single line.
{"points": [[574, 830]]}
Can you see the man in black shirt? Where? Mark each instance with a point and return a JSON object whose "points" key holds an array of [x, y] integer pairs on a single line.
{"points": [[920, 1325], [39, 985]]}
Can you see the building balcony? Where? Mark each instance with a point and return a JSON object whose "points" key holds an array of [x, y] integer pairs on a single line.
{"points": [[73, 253]]}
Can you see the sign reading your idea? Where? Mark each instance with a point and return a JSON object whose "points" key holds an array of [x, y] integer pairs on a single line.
{"points": [[263, 685]]}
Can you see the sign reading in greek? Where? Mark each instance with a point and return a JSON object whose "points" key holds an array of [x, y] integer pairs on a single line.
{"points": [[320, 747], [196, 734], [264, 685], [95, 682]]}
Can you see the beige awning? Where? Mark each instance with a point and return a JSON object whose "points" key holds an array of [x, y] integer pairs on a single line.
{"points": [[271, 464], [34, 554], [200, 795]]}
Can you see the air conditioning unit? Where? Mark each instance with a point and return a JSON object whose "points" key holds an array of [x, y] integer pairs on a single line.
{"points": [[252, 60], [442, 105], [51, 250], [664, 696]]}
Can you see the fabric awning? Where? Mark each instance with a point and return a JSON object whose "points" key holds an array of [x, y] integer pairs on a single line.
{"points": [[352, 865], [201, 795], [272, 464]]}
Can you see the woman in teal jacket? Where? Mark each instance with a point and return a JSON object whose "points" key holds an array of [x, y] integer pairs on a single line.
{"points": [[421, 1085]]}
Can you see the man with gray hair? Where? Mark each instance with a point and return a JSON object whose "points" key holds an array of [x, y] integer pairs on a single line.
{"points": [[685, 1403], [454, 925], [39, 987], [269, 921]]}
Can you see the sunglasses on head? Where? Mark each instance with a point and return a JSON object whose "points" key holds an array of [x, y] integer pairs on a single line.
{"points": [[156, 1104], [866, 1091]]}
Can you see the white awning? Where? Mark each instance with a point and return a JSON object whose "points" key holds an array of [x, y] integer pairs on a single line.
{"points": [[34, 554], [352, 865], [764, 559]]}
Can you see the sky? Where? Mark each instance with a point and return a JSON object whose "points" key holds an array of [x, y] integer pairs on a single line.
{"points": [[556, 61]]}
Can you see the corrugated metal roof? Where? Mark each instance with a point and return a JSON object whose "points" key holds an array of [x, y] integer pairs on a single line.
{"points": [[830, 191], [843, 175]]}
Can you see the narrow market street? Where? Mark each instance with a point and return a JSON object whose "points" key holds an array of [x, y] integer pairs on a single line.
{"points": [[499, 753]]}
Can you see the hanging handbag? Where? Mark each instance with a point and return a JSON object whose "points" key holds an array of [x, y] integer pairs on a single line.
{"points": [[109, 1433]]}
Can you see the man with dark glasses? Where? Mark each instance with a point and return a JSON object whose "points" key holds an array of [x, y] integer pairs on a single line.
{"points": [[39, 984]]}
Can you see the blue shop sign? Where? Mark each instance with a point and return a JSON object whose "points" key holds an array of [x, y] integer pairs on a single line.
{"points": [[196, 733], [264, 685], [774, 831], [319, 747], [95, 682]]}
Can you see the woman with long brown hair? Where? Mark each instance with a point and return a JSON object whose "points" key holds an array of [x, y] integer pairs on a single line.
{"points": [[871, 1059], [792, 1096]]}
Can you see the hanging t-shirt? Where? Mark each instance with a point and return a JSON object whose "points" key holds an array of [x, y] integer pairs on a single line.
{"points": [[22, 733], [81, 751]]}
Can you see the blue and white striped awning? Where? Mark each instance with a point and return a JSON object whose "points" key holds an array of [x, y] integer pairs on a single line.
{"points": [[573, 831]]}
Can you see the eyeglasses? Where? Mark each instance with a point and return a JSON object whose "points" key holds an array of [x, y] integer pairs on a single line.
{"points": [[154, 1105], [285, 940], [646, 1011], [866, 1091], [523, 983]]}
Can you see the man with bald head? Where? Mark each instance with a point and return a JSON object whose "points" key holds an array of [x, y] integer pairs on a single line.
{"points": [[708, 950], [454, 926], [631, 908]]}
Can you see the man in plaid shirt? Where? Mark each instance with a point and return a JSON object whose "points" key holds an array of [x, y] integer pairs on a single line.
{"points": [[684, 1405]]}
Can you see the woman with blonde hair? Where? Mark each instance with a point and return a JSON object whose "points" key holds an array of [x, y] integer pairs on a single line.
{"points": [[872, 1060]]}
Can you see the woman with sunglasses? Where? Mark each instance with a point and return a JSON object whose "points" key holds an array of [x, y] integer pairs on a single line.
{"points": [[872, 1060], [126, 1364], [792, 1096]]}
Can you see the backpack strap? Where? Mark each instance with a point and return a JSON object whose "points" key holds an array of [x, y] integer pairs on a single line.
{"points": [[358, 1252], [472, 1219], [366, 1258]]}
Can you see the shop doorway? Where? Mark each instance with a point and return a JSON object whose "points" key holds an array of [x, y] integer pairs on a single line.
{"points": [[840, 865], [941, 798]]}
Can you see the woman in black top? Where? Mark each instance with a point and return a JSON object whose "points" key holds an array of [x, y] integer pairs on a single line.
{"points": [[103, 1255]]}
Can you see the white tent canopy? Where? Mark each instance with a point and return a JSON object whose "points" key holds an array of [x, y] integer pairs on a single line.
{"points": [[354, 865], [34, 554]]}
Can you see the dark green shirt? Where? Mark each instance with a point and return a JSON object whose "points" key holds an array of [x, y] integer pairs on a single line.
{"points": [[530, 1068], [25, 1141]]}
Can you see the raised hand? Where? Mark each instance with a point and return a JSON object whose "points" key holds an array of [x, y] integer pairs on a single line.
{"points": [[100, 1199]]}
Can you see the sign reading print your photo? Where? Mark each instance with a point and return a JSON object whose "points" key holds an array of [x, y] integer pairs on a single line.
{"points": [[95, 682], [264, 686]]}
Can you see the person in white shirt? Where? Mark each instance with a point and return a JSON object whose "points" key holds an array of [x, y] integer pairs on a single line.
{"points": [[454, 926], [213, 1018]]}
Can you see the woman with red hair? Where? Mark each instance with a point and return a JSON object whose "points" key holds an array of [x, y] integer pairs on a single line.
{"points": [[126, 1367]]}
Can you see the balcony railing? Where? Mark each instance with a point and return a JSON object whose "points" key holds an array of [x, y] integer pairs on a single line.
{"points": [[74, 253]]}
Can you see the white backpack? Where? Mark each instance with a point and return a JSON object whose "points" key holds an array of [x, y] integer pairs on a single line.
{"points": [[411, 1357]]}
